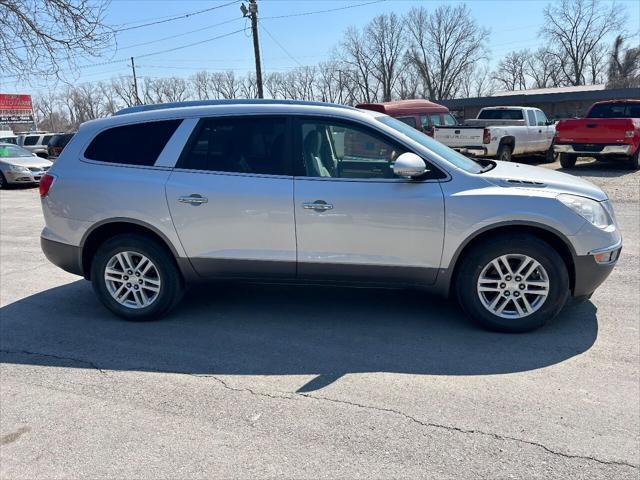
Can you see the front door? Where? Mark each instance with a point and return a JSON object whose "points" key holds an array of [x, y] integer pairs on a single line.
{"points": [[231, 198], [354, 219]]}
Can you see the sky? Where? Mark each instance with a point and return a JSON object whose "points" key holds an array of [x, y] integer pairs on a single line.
{"points": [[286, 43]]}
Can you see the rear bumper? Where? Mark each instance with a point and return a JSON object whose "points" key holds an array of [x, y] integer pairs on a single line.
{"points": [[595, 150], [590, 274], [67, 257]]}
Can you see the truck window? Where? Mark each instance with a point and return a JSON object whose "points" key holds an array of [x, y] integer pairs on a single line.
{"points": [[449, 119], [541, 118], [615, 110], [501, 114], [411, 121], [532, 118]]}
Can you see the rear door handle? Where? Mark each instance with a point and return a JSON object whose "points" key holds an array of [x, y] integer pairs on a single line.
{"points": [[193, 199], [318, 206]]}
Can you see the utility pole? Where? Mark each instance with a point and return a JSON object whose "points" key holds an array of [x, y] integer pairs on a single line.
{"points": [[252, 13], [135, 82]]}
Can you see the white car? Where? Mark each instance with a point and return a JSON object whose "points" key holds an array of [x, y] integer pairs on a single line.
{"points": [[501, 132], [36, 142], [20, 166]]}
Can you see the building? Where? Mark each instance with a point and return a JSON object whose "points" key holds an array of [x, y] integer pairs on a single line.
{"points": [[556, 103]]}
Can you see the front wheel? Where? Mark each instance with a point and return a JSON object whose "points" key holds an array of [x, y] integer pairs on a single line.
{"points": [[135, 277], [513, 285]]}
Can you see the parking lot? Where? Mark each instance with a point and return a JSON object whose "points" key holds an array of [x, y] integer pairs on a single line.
{"points": [[308, 382]]}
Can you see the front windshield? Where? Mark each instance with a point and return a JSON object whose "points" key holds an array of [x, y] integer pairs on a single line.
{"points": [[432, 145], [7, 151]]}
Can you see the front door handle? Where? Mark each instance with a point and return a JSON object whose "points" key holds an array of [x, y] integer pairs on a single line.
{"points": [[318, 206], [193, 199]]}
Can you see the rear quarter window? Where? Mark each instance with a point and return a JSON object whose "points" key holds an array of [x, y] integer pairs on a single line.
{"points": [[138, 144]]}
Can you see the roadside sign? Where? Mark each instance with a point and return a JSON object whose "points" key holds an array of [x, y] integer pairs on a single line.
{"points": [[15, 108]]}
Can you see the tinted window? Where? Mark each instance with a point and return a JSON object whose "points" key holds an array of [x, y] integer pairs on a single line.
{"points": [[138, 144], [9, 140], [615, 110], [501, 114], [45, 139], [31, 140], [411, 121], [239, 145], [343, 150], [449, 119]]}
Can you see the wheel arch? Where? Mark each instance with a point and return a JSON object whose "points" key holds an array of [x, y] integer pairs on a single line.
{"points": [[102, 231], [550, 235], [508, 140]]}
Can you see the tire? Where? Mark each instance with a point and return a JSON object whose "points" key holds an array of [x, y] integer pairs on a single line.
{"points": [[3, 182], [164, 271], [568, 160], [550, 155], [478, 263], [505, 153], [632, 162]]}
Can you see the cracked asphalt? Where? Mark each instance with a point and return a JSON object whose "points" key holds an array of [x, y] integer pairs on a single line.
{"points": [[302, 382]]}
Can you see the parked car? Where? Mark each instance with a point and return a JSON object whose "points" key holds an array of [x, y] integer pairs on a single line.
{"points": [[20, 166], [57, 144], [7, 136], [422, 115], [35, 142], [271, 191], [610, 129], [502, 133]]}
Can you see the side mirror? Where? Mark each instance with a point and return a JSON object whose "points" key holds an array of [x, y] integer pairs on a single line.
{"points": [[409, 165]]}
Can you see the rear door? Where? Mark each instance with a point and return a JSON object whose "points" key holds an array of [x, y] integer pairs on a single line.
{"points": [[231, 198], [354, 219], [545, 131]]}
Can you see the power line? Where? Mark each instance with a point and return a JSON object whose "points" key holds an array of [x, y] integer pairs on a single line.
{"points": [[178, 17], [179, 34], [301, 14], [279, 45]]}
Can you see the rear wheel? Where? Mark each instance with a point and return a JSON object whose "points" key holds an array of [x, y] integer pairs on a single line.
{"points": [[513, 285], [505, 153], [135, 277], [568, 160], [550, 155]]}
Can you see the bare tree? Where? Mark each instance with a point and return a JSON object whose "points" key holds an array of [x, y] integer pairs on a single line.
{"points": [[510, 73], [122, 88], [444, 46], [385, 42], [624, 67], [576, 28], [479, 83], [358, 64], [45, 36], [543, 67]]}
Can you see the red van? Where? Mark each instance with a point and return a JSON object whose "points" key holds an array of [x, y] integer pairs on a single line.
{"points": [[420, 114]]}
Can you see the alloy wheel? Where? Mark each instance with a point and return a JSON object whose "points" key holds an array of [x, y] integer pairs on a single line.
{"points": [[132, 279]]}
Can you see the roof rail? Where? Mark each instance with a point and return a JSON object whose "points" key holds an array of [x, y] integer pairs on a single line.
{"points": [[204, 103]]}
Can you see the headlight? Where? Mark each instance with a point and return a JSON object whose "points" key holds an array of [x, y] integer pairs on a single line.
{"points": [[18, 169], [589, 209]]}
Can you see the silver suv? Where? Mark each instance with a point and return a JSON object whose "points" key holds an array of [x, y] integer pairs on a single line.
{"points": [[157, 197]]}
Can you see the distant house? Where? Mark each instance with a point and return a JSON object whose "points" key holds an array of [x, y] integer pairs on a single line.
{"points": [[557, 103]]}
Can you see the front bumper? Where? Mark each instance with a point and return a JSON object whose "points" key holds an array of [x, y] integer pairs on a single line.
{"points": [[67, 257], [591, 273], [589, 149], [32, 176]]}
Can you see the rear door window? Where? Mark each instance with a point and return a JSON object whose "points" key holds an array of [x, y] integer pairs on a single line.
{"points": [[31, 140], [137, 144], [252, 145], [532, 118]]}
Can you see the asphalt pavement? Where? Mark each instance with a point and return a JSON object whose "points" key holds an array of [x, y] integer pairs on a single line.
{"points": [[307, 382]]}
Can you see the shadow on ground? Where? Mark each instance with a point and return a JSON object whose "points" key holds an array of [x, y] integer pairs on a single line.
{"points": [[283, 330]]}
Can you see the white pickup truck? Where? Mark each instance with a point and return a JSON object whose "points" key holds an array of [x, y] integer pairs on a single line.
{"points": [[501, 132]]}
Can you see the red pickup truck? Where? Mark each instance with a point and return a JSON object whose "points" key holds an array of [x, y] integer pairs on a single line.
{"points": [[610, 129]]}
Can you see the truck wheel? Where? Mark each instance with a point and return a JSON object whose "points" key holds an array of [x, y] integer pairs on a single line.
{"points": [[632, 162], [504, 153], [135, 277], [550, 155], [568, 160], [512, 285]]}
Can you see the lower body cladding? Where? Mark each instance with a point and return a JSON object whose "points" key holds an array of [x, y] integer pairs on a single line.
{"points": [[590, 271]]}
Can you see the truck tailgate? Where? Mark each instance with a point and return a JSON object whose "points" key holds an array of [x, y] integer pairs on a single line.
{"points": [[459, 136], [593, 130]]}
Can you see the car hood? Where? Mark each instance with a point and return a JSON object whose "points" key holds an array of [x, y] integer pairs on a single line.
{"points": [[27, 161], [518, 175]]}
